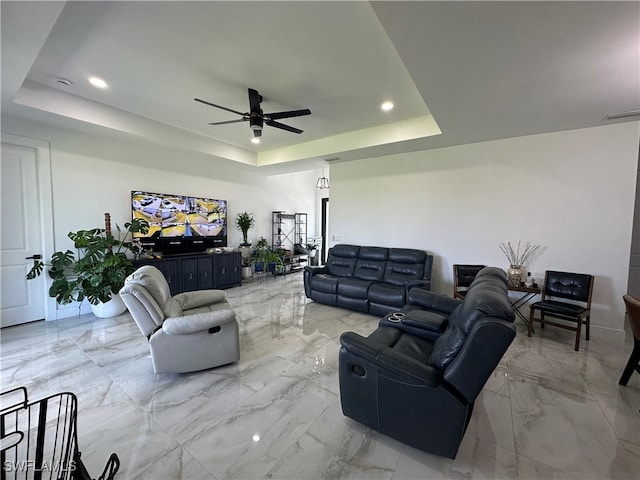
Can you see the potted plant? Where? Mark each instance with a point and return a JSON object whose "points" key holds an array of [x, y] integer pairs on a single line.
{"points": [[244, 221], [262, 244], [277, 260], [98, 268], [311, 248], [246, 268]]}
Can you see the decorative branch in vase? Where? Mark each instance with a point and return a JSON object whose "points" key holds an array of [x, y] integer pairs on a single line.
{"points": [[517, 257]]}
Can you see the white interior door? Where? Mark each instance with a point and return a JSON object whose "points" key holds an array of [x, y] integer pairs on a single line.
{"points": [[21, 236]]}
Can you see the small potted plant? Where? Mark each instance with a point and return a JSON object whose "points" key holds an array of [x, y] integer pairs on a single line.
{"points": [[311, 248], [244, 221], [246, 268], [262, 244], [98, 268]]}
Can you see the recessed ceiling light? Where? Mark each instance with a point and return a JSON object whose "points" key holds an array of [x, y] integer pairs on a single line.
{"points": [[98, 82], [255, 140], [386, 106]]}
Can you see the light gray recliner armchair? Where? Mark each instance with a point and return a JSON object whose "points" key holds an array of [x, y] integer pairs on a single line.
{"points": [[187, 332]]}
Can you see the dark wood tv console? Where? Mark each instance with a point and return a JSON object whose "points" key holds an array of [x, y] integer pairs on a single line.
{"points": [[200, 271]]}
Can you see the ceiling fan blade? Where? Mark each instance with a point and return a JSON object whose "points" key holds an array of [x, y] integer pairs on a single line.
{"points": [[292, 113], [218, 106], [228, 121], [254, 100], [282, 126]]}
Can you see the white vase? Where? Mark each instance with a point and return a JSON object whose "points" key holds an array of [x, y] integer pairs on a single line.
{"points": [[112, 308]]}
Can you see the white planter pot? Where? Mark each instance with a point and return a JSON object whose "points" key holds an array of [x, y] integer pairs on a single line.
{"points": [[112, 308], [245, 251], [246, 273]]}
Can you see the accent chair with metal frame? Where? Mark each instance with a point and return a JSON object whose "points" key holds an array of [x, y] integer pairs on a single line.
{"points": [[565, 296], [633, 311], [463, 275]]}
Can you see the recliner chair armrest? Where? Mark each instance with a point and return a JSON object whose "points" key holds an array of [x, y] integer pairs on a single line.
{"points": [[388, 359], [422, 284], [196, 322], [418, 322], [199, 298], [311, 270], [432, 301]]}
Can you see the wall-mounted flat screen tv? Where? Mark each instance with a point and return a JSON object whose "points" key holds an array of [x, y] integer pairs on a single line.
{"points": [[180, 223]]}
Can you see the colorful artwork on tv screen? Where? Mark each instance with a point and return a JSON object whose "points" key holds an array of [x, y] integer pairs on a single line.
{"points": [[181, 216]]}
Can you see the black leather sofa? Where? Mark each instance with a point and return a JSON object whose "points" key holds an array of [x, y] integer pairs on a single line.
{"points": [[415, 378], [373, 280]]}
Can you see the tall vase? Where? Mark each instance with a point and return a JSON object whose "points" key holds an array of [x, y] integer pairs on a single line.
{"points": [[514, 275]]}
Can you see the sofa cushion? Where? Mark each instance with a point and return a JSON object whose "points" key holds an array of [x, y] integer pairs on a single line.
{"points": [[404, 265], [324, 283], [371, 263], [355, 304], [373, 253], [353, 287], [342, 260], [387, 294]]}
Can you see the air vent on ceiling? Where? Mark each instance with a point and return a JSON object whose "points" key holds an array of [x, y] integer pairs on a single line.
{"points": [[616, 116]]}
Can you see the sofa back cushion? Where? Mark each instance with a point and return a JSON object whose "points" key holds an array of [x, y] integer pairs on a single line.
{"points": [[405, 265], [487, 297], [341, 261], [371, 263]]}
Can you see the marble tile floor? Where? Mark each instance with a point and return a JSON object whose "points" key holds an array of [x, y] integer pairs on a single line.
{"points": [[546, 413]]}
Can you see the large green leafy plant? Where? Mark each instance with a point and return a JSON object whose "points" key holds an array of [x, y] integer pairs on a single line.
{"points": [[98, 269]]}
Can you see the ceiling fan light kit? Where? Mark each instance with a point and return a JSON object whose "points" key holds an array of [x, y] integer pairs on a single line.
{"points": [[257, 118]]}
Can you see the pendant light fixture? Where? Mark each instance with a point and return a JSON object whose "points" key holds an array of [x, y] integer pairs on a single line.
{"points": [[323, 182]]}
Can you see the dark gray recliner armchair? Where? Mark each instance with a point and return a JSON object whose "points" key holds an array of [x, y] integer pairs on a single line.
{"points": [[187, 332], [415, 378]]}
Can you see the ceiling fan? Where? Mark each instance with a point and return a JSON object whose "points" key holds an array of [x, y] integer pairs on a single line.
{"points": [[257, 118]]}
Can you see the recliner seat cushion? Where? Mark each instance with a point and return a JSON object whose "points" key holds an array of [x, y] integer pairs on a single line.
{"points": [[353, 287], [324, 283], [387, 294]]}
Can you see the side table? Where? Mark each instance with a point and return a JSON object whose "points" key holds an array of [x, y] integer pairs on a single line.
{"points": [[527, 294]]}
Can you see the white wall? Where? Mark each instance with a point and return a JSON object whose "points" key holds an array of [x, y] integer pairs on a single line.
{"points": [[93, 174], [572, 192]]}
